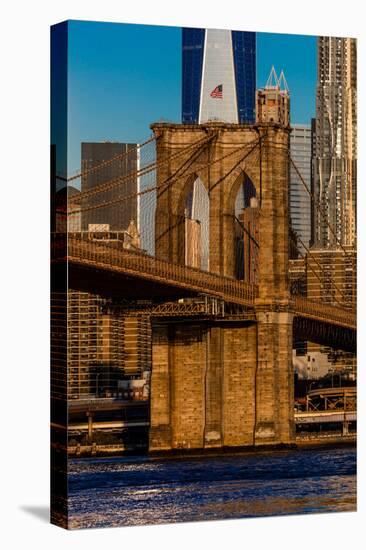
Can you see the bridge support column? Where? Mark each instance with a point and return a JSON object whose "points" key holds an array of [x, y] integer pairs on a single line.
{"points": [[274, 379], [178, 387], [202, 386], [345, 426], [213, 388], [229, 385], [160, 417], [90, 426], [239, 367]]}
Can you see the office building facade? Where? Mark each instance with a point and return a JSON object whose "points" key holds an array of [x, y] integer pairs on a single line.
{"points": [[300, 200], [335, 154], [104, 162], [331, 276], [327, 275], [103, 347], [218, 76]]}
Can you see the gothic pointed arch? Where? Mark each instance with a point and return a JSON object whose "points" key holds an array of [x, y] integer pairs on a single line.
{"points": [[193, 216], [240, 226]]}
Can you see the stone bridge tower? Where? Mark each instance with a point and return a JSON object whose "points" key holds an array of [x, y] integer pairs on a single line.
{"points": [[224, 383]]}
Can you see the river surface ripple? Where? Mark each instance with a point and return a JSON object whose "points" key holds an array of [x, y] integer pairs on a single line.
{"points": [[106, 492]]}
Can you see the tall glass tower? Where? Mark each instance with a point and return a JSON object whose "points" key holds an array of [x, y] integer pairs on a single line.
{"points": [[300, 203], [219, 76], [335, 155]]}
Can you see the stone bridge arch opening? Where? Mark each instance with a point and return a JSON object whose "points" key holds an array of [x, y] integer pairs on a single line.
{"points": [[241, 229], [194, 235]]}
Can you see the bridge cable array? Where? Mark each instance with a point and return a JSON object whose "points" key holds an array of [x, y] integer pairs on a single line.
{"points": [[330, 280], [103, 164], [148, 192], [317, 275], [317, 204]]}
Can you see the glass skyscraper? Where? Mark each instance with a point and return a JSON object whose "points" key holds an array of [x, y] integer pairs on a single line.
{"points": [[219, 76], [300, 202], [335, 160], [114, 160]]}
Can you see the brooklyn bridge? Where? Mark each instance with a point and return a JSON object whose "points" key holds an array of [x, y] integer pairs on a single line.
{"points": [[222, 312]]}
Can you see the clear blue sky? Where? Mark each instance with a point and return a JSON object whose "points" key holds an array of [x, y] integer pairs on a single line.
{"points": [[123, 77]]}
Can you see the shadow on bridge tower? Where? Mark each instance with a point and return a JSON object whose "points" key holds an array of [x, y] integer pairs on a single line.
{"points": [[224, 383]]}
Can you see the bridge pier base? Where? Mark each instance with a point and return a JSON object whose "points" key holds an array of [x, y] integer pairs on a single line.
{"points": [[160, 407], [213, 388], [274, 379], [345, 428], [217, 385], [226, 384], [90, 426]]}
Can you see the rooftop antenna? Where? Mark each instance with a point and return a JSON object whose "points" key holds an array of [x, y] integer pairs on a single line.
{"points": [[282, 80], [272, 82]]}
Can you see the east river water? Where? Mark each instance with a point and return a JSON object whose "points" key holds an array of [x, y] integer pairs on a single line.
{"points": [[136, 491]]}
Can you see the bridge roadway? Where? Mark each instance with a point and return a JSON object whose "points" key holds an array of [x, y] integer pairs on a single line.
{"points": [[112, 258], [92, 406], [321, 417], [325, 417], [100, 404], [342, 391]]}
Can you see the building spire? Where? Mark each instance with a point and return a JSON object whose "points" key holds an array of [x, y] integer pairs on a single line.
{"points": [[282, 81], [272, 81], [273, 101]]}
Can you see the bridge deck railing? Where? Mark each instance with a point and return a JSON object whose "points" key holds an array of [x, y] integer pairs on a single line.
{"points": [[327, 312], [113, 255]]}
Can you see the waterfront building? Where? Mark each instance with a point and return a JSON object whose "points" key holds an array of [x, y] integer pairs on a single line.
{"points": [[297, 274], [312, 365], [331, 276], [104, 162], [103, 348], [326, 276], [88, 345], [218, 76], [136, 332], [335, 155], [104, 345], [300, 200]]}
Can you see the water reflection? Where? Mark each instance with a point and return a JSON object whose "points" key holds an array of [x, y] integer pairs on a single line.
{"points": [[112, 492]]}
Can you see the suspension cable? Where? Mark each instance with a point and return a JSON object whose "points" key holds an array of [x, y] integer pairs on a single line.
{"points": [[317, 276], [320, 266], [116, 182], [166, 182], [317, 203], [105, 163]]}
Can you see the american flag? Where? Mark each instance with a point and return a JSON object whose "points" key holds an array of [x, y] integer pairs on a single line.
{"points": [[217, 92]]}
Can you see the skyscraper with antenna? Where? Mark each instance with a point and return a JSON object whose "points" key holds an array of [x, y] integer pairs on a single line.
{"points": [[218, 76]]}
